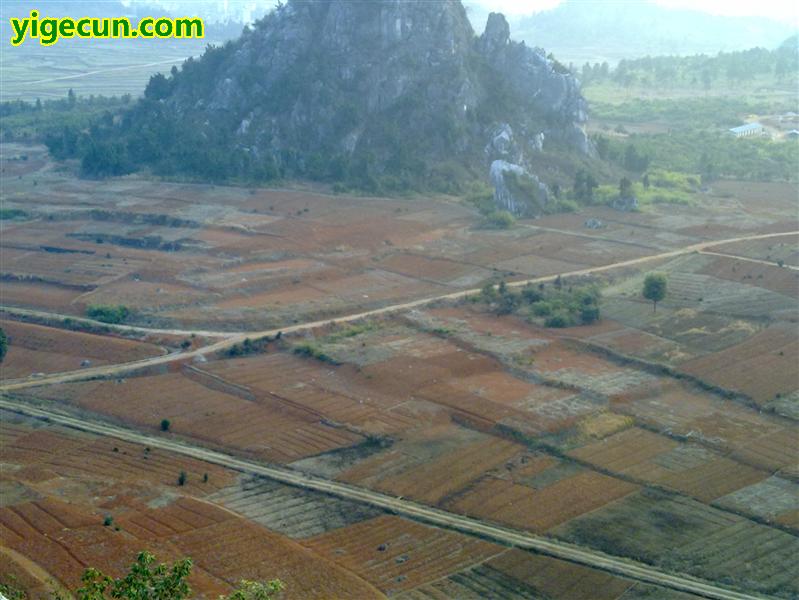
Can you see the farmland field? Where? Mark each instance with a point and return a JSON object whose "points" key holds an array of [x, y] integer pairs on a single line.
{"points": [[687, 536], [38, 349], [138, 488], [220, 257], [234, 527], [665, 436]]}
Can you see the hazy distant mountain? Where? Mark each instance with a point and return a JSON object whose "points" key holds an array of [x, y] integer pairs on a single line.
{"points": [[579, 31]]}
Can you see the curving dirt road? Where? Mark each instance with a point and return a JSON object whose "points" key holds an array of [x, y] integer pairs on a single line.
{"points": [[407, 508], [231, 338]]}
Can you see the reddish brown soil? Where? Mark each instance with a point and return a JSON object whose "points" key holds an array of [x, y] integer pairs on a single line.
{"points": [[395, 554], [760, 367], [642, 454], [539, 510], [211, 411], [560, 579], [35, 348]]}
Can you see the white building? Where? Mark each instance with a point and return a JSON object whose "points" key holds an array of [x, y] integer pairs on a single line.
{"points": [[748, 130]]}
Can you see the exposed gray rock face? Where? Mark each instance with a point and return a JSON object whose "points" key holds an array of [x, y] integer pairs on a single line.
{"points": [[550, 90], [627, 204], [516, 190], [380, 87]]}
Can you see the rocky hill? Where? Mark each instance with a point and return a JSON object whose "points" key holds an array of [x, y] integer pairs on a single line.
{"points": [[382, 95]]}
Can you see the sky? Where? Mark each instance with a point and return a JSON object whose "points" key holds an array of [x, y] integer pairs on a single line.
{"points": [[786, 11]]}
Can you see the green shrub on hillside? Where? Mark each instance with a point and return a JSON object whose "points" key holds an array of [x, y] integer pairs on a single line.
{"points": [[551, 306], [500, 219], [108, 313]]}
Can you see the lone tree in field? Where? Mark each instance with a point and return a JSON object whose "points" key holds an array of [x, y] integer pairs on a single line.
{"points": [[655, 288], [165, 425], [147, 581], [3, 344]]}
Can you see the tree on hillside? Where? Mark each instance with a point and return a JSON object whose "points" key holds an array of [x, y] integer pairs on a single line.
{"points": [[655, 288], [625, 188], [148, 581], [3, 344], [584, 186]]}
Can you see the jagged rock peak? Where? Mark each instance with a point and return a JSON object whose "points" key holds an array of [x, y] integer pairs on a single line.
{"points": [[496, 34], [372, 90]]}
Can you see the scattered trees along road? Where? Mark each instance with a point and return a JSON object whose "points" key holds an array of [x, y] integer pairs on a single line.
{"points": [[400, 506], [232, 338]]}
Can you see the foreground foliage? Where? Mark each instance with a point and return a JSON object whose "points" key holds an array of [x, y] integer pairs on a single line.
{"points": [[149, 581]]}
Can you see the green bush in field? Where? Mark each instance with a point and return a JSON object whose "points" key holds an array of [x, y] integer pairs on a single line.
{"points": [[313, 351], [3, 344], [108, 313], [556, 306], [8, 214], [561, 319], [500, 219]]}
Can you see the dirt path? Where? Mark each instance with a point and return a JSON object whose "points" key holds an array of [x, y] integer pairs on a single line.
{"points": [[747, 259], [231, 338], [407, 508], [177, 60]]}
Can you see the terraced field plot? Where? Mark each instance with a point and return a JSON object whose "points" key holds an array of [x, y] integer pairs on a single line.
{"points": [[771, 277], [317, 389], [261, 426], [138, 488], [690, 286], [682, 534], [395, 554], [291, 511], [429, 469], [689, 468], [37, 349], [785, 249], [774, 499], [755, 439], [763, 367], [538, 510]]}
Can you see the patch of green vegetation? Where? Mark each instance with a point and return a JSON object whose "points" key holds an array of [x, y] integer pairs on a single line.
{"points": [[657, 186], [553, 306], [499, 219], [313, 351], [12, 214], [560, 205], [11, 589], [147, 579], [351, 332], [247, 347], [442, 331], [62, 119], [107, 313], [481, 196]]}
